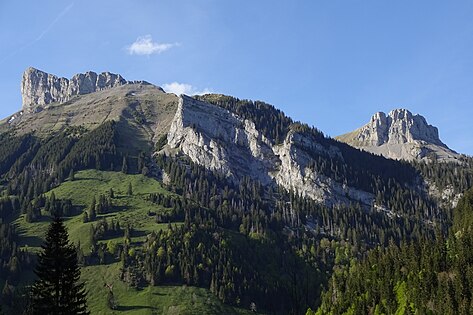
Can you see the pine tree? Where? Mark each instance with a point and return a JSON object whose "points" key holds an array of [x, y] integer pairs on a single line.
{"points": [[7, 294], [57, 289], [71, 175], [85, 217], [124, 165], [92, 210], [130, 190], [111, 301]]}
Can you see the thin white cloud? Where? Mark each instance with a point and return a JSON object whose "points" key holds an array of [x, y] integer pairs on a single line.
{"points": [[144, 45], [184, 88], [50, 26], [40, 36]]}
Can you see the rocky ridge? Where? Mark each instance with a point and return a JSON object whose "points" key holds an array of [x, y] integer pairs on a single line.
{"points": [[39, 88], [400, 135], [222, 141], [207, 134]]}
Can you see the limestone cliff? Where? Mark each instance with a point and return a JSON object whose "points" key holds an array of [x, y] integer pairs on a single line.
{"points": [[400, 135], [39, 88], [220, 140], [294, 173]]}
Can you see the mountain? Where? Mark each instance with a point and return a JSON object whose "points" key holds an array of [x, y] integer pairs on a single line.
{"points": [[230, 197], [217, 138], [237, 139], [39, 88], [427, 277], [89, 100], [221, 140], [400, 135]]}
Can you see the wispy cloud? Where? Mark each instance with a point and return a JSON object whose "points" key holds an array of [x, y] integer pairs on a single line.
{"points": [[144, 45], [184, 88], [41, 35], [50, 26]]}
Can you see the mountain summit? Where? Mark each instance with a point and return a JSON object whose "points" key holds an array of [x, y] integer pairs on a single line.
{"points": [[227, 195], [39, 88], [400, 135], [236, 138]]}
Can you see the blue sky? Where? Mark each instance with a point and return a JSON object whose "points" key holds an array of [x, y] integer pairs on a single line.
{"points": [[331, 64]]}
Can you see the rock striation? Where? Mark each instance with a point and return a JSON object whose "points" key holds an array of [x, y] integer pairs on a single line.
{"points": [[39, 88], [222, 141], [219, 140], [294, 173], [400, 135]]}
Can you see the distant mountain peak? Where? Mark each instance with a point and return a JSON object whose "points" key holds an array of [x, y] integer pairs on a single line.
{"points": [[400, 135], [398, 127], [39, 88]]}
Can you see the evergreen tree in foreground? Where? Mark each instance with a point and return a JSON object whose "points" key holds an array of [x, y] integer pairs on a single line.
{"points": [[57, 289]]}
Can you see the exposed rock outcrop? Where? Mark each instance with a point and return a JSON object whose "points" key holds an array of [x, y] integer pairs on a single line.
{"points": [[219, 140], [39, 88], [294, 172], [222, 141], [400, 135]]}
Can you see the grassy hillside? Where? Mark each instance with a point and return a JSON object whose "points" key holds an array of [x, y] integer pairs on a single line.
{"points": [[89, 184], [151, 300], [128, 209], [350, 138], [147, 106]]}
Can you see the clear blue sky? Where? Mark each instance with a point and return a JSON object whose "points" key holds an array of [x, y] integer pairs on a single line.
{"points": [[329, 63]]}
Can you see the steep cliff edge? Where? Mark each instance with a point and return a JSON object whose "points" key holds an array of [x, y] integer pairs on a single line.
{"points": [[235, 138], [39, 88], [400, 135], [222, 141]]}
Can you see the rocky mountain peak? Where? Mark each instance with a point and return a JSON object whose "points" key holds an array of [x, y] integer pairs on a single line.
{"points": [[39, 88], [400, 135], [398, 127]]}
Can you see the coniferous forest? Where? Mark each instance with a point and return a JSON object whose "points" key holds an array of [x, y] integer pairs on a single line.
{"points": [[419, 277], [251, 245], [205, 157]]}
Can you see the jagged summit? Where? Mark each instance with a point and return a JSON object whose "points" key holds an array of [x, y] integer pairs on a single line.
{"points": [[400, 135], [39, 88], [237, 139], [398, 127]]}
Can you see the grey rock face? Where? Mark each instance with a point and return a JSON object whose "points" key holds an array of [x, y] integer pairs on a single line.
{"points": [[222, 141], [39, 88], [398, 127], [294, 173], [219, 140], [400, 135]]}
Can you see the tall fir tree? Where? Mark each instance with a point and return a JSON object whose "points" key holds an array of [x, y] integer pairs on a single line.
{"points": [[58, 290], [7, 294], [125, 165], [130, 189]]}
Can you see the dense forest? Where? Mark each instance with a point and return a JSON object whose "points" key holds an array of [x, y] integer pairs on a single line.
{"points": [[255, 244], [30, 166], [422, 277], [450, 177], [397, 185], [229, 213]]}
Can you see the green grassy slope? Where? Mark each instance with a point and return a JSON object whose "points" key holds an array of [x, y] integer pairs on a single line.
{"points": [[153, 108], [87, 184], [151, 300], [129, 209]]}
